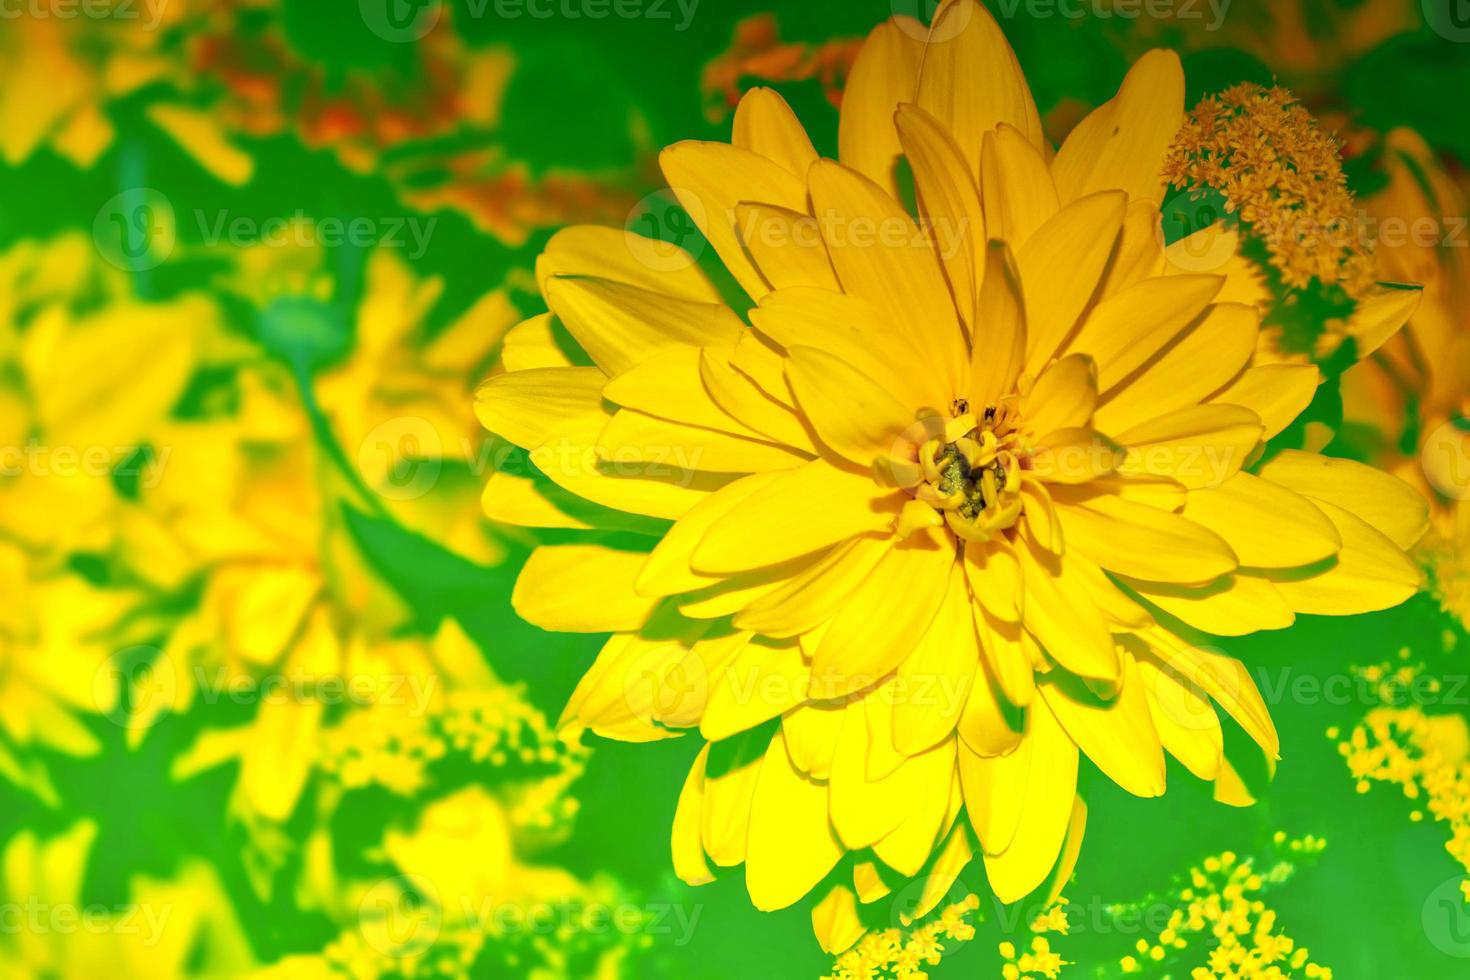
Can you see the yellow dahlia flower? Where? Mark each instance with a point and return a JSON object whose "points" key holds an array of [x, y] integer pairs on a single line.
{"points": [[951, 510]]}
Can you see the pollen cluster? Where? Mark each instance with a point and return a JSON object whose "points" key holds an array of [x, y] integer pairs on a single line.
{"points": [[1282, 178], [971, 475]]}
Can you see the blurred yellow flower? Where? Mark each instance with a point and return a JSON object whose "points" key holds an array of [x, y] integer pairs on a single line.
{"points": [[1410, 401]]}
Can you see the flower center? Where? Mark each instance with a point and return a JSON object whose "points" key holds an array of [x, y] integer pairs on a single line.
{"points": [[970, 473]]}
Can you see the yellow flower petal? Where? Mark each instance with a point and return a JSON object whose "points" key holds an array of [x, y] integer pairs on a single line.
{"points": [[626, 257], [785, 245], [1199, 447], [1046, 811], [1185, 719], [1383, 501], [934, 682], [1122, 143], [1061, 265], [927, 778], [1016, 186], [1063, 397], [741, 397], [998, 347], [970, 80], [884, 74], [810, 508], [814, 596], [1265, 524], [1140, 541], [882, 256], [688, 850], [732, 774], [949, 200], [619, 325], [710, 179], [884, 617], [1207, 357], [762, 682], [1370, 573], [668, 385], [667, 570], [655, 446], [1222, 678], [812, 732], [1234, 605], [856, 331], [1118, 735], [836, 922], [1278, 393], [526, 407], [792, 845], [582, 588], [765, 124], [852, 414], [1062, 617], [1127, 329]]}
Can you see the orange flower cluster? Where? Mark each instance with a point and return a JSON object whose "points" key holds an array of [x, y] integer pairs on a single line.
{"points": [[1282, 178]]}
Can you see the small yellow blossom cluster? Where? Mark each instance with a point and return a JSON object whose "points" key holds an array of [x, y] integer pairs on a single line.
{"points": [[1221, 906], [1426, 755], [1282, 178], [459, 951], [490, 735], [1038, 961], [1448, 559], [897, 954]]}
